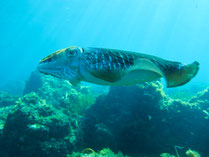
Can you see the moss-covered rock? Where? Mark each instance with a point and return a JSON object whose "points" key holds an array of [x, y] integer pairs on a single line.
{"points": [[4, 111], [123, 120], [6, 103], [61, 93], [140, 119], [143, 120], [202, 99], [34, 128], [185, 92]]}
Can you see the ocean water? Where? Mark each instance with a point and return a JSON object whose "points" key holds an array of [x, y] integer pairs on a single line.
{"points": [[176, 30]]}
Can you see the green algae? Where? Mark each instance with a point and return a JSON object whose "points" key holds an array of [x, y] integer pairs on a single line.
{"points": [[106, 152], [60, 93], [127, 115], [166, 155], [185, 93], [34, 124]]}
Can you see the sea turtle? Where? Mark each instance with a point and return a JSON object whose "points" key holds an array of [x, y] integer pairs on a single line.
{"points": [[114, 67]]}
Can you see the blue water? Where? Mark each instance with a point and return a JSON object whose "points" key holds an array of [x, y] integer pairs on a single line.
{"points": [[172, 29]]}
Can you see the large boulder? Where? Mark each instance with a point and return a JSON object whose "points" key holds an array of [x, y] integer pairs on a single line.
{"points": [[141, 119], [125, 119], [34, 128]]}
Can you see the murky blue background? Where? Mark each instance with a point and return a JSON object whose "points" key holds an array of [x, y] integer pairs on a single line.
{"points": [[172, 29]]}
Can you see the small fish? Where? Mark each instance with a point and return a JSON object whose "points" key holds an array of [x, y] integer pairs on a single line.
{"points": [[114, 67]]}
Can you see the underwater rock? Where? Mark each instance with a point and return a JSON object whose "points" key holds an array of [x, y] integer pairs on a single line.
{"points": [[4, 111], [135, 120], [34, 128], [202, 99], [60, 93], [6, 103], [142, 119], [128, 113], [185, 93]]}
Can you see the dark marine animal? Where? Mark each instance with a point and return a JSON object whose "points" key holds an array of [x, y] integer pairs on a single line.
{"points": [[114, 67]]}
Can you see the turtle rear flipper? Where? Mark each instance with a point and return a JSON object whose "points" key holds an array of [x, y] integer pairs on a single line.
{"points": [[182, 76]]}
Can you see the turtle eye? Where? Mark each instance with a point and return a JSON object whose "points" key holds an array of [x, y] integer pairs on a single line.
{"points": [[71, 53]]}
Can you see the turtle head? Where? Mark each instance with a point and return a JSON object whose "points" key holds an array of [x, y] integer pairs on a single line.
{"points": [[63, 64]]}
